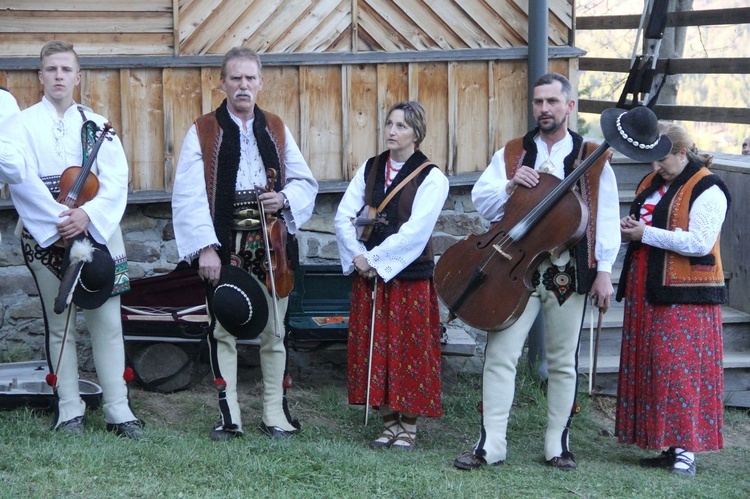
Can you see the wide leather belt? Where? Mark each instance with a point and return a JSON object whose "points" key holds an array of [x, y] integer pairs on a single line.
{"points": [[246, 214]]}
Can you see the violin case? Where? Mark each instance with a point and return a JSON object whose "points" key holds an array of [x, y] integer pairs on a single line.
{"points": [[23, 384], [169, 307], [172, 307], [318, 312]]}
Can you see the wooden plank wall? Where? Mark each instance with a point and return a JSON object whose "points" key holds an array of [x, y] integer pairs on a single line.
{"points": [[335, 111]]}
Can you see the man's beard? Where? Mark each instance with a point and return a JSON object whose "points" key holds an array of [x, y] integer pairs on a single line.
{"points": [[550, 127]]}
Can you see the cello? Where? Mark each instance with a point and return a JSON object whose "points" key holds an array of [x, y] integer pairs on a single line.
{"points": [[485, 280]]}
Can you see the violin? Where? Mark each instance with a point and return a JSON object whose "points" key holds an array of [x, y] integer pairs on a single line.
{"points": [[78, 184], [279, 272]]}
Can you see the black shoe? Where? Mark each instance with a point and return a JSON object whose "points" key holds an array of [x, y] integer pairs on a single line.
{"points": [[564, 462], [665, 460], [72, 427], [222, 434], [469, 461], [681, 458], [277, 433], [130, 429]]}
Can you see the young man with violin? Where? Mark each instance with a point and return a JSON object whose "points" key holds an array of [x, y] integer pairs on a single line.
{"points": [[237, 164], [560, 283], [52, 144]]}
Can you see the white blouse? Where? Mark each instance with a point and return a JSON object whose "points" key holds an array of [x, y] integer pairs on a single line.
{"points": [[704, 224], [399, 250]]}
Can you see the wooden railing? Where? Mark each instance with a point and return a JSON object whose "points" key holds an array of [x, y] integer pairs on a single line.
{"points": [[716, 17]]}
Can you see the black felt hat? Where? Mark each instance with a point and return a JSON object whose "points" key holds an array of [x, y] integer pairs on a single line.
{"points": [[238, 303], [94, 283], [635, 133]]}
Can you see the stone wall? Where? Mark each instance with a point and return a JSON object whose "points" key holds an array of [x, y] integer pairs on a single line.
{"points": [[150, 246]]}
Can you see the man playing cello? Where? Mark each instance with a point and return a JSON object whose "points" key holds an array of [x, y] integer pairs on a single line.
{"points": [[561, 283]]}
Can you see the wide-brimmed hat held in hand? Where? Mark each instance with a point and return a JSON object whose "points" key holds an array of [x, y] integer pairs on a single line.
{"points": [[238, 303]]}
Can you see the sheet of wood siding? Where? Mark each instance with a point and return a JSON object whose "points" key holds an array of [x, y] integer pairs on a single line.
{"points": [[96, 91], [143, 126], [362, 120], [315, 28], [320, 134], [393, 87], [89, 5], [24, 85], [432, 87], [182, 105], [508, 119], [88, 44], [281, 96], [472, 123], [214, 26], [104, 27]]}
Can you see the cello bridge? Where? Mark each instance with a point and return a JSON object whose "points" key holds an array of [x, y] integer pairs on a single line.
{"points": [[503, 253]]}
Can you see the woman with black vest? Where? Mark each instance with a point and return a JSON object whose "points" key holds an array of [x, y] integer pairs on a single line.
{"points": [[670, 391], [383, 226]]}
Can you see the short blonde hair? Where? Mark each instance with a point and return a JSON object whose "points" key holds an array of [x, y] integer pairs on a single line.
{"points": [[57, 47]]}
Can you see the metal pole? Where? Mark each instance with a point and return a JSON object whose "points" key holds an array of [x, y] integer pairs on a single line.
{"points": [[538, 36]]}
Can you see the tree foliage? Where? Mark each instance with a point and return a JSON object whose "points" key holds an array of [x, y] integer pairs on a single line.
{"points": [[711, 90]]}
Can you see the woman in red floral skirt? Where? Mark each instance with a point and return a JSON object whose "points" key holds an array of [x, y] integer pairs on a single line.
{"points": [[405, 379], [670, 388]]}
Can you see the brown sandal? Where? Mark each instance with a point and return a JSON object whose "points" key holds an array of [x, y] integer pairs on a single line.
{"points": [[405, 440], [389, 433]]}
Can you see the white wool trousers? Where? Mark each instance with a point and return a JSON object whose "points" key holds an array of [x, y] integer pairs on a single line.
{"points": [[504, 348], [223, 348], [107, 344]]}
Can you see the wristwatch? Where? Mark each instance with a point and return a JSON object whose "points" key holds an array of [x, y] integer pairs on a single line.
{"points": [[286, 201]]}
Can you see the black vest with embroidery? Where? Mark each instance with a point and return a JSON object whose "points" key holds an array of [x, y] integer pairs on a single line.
{"points": [[398, 210]]}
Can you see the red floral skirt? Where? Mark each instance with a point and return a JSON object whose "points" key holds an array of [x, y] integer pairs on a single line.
{"points": [[406, 348], [670, 391]]}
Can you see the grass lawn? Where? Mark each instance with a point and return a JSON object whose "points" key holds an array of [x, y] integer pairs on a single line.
{"points": [[330, 458]]}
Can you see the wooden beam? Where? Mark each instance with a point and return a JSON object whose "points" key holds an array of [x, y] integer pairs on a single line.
{"points": [[303, 59], [715, 65], [677, 112], [714, 17], [176, 26]]}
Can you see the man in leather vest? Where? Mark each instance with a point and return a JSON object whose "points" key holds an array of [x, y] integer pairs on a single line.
{"points": [[237, 148], [561, 283]]}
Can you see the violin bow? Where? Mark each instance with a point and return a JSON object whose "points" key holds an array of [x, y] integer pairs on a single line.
{"points": [[369, 358], [274, 296]]}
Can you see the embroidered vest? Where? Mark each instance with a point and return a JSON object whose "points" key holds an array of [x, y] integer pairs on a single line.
{"points": [[671, 277], [398, 210], [218, 136], [522, 151]]}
